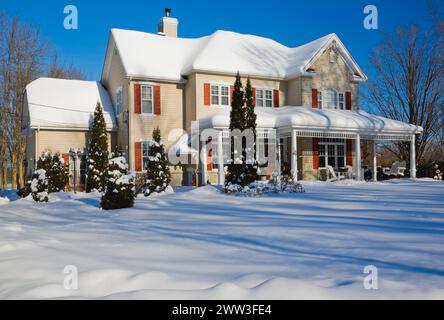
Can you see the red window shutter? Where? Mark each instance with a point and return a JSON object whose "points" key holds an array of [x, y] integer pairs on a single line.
{"points": [[314, 98], [209, 155], [138, 156], [349, 152], [254, 96], [156, 100], [231, 94], [137, 99], [315, 153], [65, 157], [348, 101], [276, 98], [207, 97], [210, 160]]}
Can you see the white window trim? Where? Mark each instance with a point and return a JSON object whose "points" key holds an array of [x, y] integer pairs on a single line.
{"points": [[323, 94], [119, 112], [220, 85], [335, 143], [264, 99], [148, 85]]}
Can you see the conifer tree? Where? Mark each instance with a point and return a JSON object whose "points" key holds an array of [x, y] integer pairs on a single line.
{"points": [[56, 174], [158, 176], [250, 115], [39, 186], [97, 153], [250, 124], [235, 168], [56, 171], [119, 191], [237, 115]]}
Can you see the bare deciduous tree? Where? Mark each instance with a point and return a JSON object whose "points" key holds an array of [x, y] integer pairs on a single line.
{"points": [[21, 60], [63, 71], [409, 85]]}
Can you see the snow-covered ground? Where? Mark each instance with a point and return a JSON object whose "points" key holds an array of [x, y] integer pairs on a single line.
{"points": [[205, 245]]}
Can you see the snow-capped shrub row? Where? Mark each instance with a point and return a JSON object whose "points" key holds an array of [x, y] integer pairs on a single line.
{"points": [[278, 184]]}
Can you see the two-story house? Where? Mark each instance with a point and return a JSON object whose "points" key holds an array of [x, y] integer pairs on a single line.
{"points": [[309, 95]]}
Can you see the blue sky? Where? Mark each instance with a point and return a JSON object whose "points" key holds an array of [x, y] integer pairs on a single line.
{"points": [[290, 22]]}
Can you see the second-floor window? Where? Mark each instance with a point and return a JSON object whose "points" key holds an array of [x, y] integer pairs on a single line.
{"points": [[220, 95], [119, 101], [147, 99], [264, 98], [331, 99]]}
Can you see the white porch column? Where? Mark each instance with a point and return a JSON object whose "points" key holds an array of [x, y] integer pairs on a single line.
{"points": [[375, 168], [294, 155], [279, 153], [220, 158], [413, 157], [358, 157], [203, 166]]}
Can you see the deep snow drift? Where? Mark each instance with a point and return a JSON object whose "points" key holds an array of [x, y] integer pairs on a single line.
{"points": [[203, 244]]}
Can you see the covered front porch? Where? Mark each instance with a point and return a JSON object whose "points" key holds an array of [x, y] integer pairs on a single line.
{"points": [[328, 155], [309, 143]]}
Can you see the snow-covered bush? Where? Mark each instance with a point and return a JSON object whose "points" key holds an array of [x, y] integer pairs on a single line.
{"points": [[277, 184], [56, 171], [57, 174], [39, 186], [119, 191], [97, 153], [438, 172], [158, 176]]}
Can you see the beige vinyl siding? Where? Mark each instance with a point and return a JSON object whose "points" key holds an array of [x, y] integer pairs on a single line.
{"points": [[62, 141], [171, 117], [117, 79], [294, 93], [199, 110]]}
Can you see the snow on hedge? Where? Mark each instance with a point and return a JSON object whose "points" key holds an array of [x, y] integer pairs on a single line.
{"points": [[202, 244]]}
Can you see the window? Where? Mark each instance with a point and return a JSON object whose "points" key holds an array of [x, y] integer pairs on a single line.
{"points": [[220, 95], [320, 99], [147, 99], [332, 153], [119, 101], [145, 154], [341, 101], [264, 98], [331, 99]]}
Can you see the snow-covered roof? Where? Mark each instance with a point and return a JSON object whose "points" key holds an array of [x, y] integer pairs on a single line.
{"points": [[67, 104], [146, 55], [307, 118]]}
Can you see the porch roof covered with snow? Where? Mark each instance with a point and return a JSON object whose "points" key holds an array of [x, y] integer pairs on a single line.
{"points": [[291, 122], [321, 123], [66, 104]]}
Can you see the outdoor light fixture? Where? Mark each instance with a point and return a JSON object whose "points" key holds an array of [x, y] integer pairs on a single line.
{"points": [[75, 154]]}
